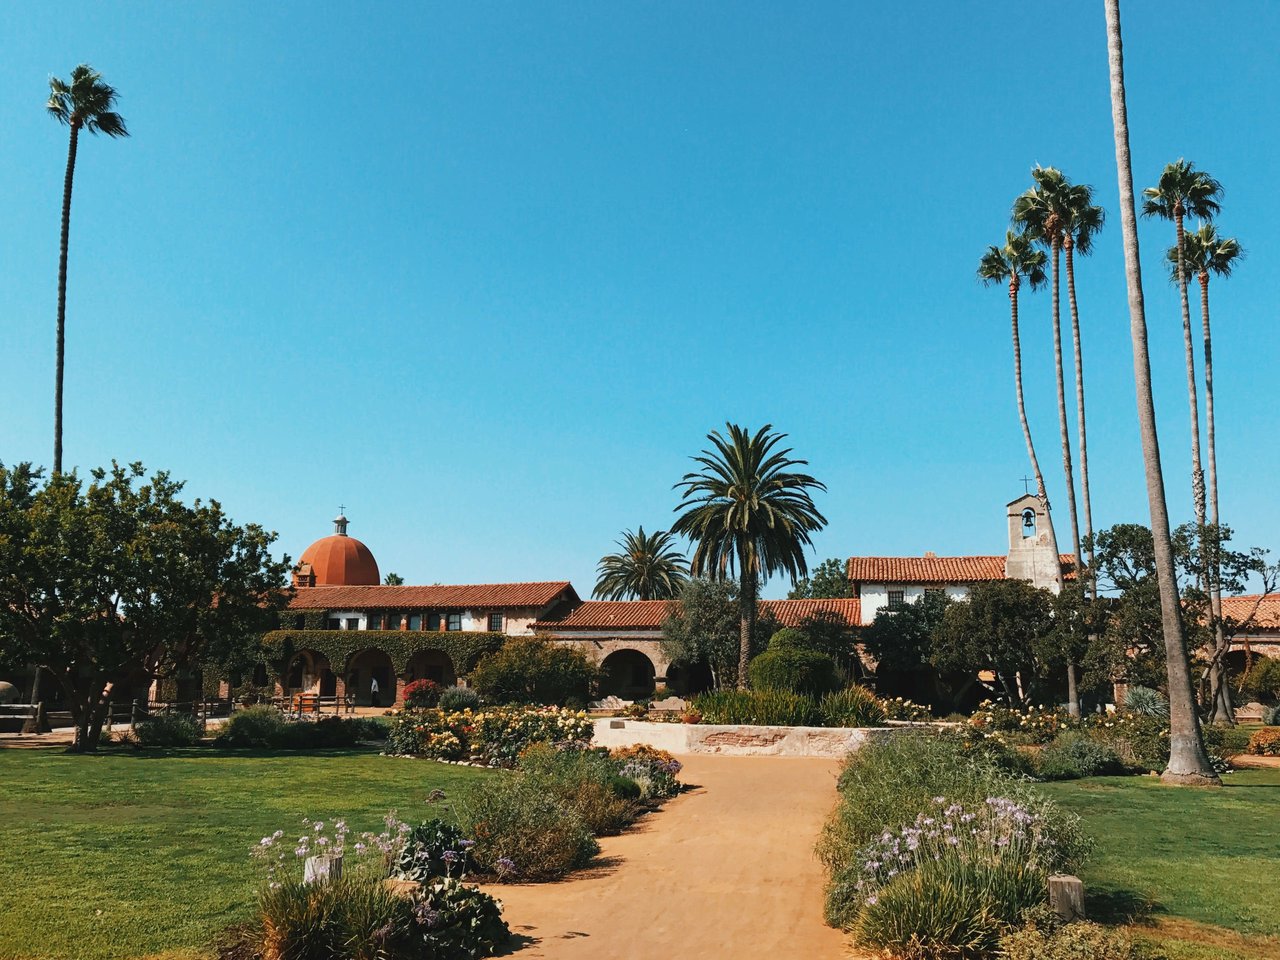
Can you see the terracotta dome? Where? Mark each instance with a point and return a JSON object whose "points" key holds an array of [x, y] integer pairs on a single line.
{"points": [[337, 561]]}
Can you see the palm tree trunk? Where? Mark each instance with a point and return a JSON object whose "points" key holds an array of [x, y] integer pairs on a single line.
{"points": [[1188, 762], [62, 296], [1073, 693], [747, 606], [1067, 472], [1197, 469], [1223, 708]]}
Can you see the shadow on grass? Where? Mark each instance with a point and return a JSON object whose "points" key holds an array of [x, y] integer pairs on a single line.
{"points": [[238, 753], [1121, 906]]}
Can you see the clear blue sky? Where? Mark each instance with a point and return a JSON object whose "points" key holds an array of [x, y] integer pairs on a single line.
{"points": [[488, 273]]}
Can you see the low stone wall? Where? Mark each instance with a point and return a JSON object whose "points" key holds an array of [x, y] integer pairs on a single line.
{"points": [[736, 740]]}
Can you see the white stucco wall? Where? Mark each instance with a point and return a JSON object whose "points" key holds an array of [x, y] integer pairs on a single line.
{"points": [[875, 596], [737, 741]]}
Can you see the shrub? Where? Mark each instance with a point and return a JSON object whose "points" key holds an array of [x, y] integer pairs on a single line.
{"points": [[434, 848], [1053, 940], [1138, 740], [794, 669], [1074, 755], [421, 693], [1265, 742], [790, 638], [1262, 682], [768, 707], [1034, 724], [899, 708], [522, 832], [168, 730], [891, 781], [1224, 741], [1145, 702], [268, 729], [495, 737], [251, 727], [461, 922], [586, 781], [534, 670], [654, 771], [453, 699], [852, 707]]}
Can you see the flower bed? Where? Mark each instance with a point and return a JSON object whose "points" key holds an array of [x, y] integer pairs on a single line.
{"points": [[494, 736]]}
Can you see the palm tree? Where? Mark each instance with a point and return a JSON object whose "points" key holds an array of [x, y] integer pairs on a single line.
{"points": [[84, 103], [1184, 190], [1051, 212], [1205, 253], [648, 567], [1188, 762], [748, 513], [1015, 261]]}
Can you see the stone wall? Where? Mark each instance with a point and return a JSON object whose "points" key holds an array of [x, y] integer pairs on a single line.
{"points": [[737, 741]]}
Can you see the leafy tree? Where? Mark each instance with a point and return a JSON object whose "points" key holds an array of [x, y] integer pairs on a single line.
{"points": [[86, 103], [702, 630], [648, 567], [902, 640], [749, 513], [535, 670], [830, 581], [998, 627], [1188, 761], [393, 580], [117, 580]]}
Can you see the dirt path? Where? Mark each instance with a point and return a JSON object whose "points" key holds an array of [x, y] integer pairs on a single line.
{"points": [[726, 870]]}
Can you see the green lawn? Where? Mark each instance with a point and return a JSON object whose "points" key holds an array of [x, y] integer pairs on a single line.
{"points": [[131, 854], [1204, 856]]}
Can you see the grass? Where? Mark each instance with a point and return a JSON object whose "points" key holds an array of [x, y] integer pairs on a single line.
{"points": [[143, 855], [1199, 863]]}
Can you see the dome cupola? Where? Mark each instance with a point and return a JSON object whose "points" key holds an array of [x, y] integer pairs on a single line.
{"points": [[336, 561]]}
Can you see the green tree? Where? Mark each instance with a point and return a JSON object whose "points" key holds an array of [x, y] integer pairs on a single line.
{"points": [[647, 567], [535, 670], [830, 581], [86, 103], [701, 630], [902, 640], [1206, 253], [998, 627], [106, 582], [1188, 761], [748, 512], [393, 580]]}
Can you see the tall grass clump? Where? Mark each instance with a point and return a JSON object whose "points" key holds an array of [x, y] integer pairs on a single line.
{"points": [[852, 707], [779, 708], [523, 832]]}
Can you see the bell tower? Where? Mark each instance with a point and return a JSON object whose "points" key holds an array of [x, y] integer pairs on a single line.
{"points": [[1031, 553]]}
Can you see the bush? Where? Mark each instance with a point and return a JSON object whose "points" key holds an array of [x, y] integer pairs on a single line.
{"points": [[1262, 682], [434, 848], [1050, 939], [891, 781], [266, 728], [524, 833], [790, 638], [852, 707], [422, 693], [1265, 742], [899, 708], [1138, 740], [1221, 740], [453, 699], [654, 771], [535, 670], [586, 781], [1032, 725], [494, 737], [769, 707], [462, 923], [168, 730], [794, 669], [1074, 755], [1145, 702]]}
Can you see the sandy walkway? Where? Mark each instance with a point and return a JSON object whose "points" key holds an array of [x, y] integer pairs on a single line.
{"points": [[726, 870]]}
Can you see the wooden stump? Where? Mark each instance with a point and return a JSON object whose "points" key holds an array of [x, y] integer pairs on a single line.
{"points": [[1066, 897], [321, 868]]}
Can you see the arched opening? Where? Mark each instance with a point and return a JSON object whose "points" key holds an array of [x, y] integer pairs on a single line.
{"points": [[684, 680], [434, 665], [371, 679], [627, 674], [305, 672]]}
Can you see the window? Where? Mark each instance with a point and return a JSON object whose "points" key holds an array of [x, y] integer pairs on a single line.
{"points": [[335, 623], [897, 599], [454, 622], [415, 621], [373, 621], [392, 622], [300, 622], [433, 621], [353, 623], [495, 622]]}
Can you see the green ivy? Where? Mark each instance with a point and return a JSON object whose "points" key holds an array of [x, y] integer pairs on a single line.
{"points": [[463, 647]]}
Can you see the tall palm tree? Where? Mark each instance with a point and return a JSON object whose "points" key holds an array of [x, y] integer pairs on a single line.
{"points": [[1183, 190], [1016, 261], [648, 567], [748, 513], [1205, 253], [86, 103], [1044, 212], [1188, 762]]}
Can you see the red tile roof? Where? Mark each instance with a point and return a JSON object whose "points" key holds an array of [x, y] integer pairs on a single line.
{"points": [[649, 614], [465, 597], [935, 569], [1266, 614]]}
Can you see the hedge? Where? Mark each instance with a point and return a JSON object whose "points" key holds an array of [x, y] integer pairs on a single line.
{"points": [[463, 647]]}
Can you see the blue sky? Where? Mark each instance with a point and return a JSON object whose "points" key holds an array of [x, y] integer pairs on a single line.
{"points": [[488, 273]]}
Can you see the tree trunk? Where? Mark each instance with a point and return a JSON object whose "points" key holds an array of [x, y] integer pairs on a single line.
{"points": [[1197, 468], [1067, 472], [747, 604], [1188, 762], [1082, 562], [1223, 708], [62, 296]]}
